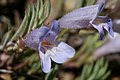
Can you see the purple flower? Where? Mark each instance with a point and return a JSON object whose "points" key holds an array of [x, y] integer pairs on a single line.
{"points": [[112, 46], [86, 17], [44, 40]]}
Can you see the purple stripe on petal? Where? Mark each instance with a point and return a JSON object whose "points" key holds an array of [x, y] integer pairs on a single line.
{"points": [[109, 25], [55, 27], [101, 5], [52, 34], [50, 37], [100, 30], [43, 30]]}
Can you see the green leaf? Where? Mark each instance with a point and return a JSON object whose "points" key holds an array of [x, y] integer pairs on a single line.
{"points": [[52, 73], [90, 2], [31, 20], [101, 71], [46, 11], [6, 38], [82, 77], [21, 29], [95, 71]]}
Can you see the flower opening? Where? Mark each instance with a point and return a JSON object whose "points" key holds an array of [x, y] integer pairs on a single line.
{"points": [[44, 40]]}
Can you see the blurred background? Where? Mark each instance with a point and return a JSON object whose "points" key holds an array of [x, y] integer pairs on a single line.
{"points": [[92, 55]]}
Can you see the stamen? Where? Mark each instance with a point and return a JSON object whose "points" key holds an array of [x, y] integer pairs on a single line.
{"points": [[44, 43]]}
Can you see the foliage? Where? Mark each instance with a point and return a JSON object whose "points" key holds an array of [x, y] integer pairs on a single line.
{"points": [[24, 63]]}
